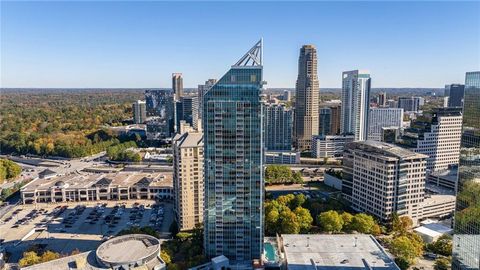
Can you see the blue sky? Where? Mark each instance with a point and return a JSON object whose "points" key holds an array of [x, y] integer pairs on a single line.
{"points": [[139, 44]]}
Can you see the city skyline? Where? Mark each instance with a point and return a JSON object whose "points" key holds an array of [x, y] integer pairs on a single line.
{"points": [[131, 49]]}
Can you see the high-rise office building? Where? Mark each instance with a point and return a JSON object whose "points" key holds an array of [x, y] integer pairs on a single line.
{"points": [[454, 92], [139, 109], [471, 131], [287, 95], [355, 103], [161, 107], [325, 121], [410, 104], [336, 119], [202, 89], [306, 98], [187, 110], [379, 118], [382, 179], [382, 99], [466, 239], [278, 127], [188, 187], [177, 85], [233, 141], [437, 136]]}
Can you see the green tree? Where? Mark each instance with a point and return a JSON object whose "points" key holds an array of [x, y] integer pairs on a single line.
{"points": [[442, 263], [49, 256], [288, 222], [297, 201], [405, 248], [401, 225], [304, 219], [402, 263], [362, 223], [330, 221], [442, 246], [29, 258], [347, 219]]}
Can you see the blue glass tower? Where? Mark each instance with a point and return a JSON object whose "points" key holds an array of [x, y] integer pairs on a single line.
{"points": [[233, 142]]}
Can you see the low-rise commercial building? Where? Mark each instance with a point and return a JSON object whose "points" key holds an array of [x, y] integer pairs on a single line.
{"points": [[282, 157], [94, 187], [325, 251], [330, 146]]}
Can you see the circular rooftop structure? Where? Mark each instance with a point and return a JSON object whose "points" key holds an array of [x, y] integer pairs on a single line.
{"points": [[128, 251]]}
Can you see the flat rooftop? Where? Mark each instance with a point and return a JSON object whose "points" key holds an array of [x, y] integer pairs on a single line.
{"points": [[387, 149], [88, 180], [343, 252], [139, 247]]}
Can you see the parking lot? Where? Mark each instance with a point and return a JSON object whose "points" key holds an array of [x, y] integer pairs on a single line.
{"points": [[70, 226], [310, 190]]}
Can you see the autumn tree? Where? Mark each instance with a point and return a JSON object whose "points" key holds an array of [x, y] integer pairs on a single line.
{"points": [[330, 221]]}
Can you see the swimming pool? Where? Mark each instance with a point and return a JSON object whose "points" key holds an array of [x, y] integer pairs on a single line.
{"points": [[270, 253]]}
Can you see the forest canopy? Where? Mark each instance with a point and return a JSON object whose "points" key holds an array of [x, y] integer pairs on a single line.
{"points": [[67, 123]]}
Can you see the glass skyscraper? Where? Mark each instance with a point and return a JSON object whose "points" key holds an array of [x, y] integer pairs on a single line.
{"points": [[466, 246], [233, 141]]}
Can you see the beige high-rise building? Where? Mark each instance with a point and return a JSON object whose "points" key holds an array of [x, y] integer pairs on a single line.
{"points": [[177, 85], [306, 98], [188, 179], [382, 179]]}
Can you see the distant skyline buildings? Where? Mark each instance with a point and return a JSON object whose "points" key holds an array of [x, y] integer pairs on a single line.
{"points": [[379, 118], [355, 103], [139, 109], [307, 93], [177, 85], [278, 127], [454, 92]]}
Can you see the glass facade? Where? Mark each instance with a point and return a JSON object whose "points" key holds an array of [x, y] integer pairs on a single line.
{"points": [[466, 247], [233, 142]]}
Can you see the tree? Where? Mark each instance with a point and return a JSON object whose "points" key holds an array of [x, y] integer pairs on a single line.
{"points": [[297, 201], [402, 263], [405, 248], [29, 258], [442, 263], [442, 246], [304, 219], [330, 221], [401, 225], [288, 222], [362, 223], [347, 219], [48, 256], [165, 257]]}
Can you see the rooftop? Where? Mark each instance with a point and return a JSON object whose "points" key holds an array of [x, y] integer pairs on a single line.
{"points": [[343, 252], [88, 180], [139, 246], [387, 149]]}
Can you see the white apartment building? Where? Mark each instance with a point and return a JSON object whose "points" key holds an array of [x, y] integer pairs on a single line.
{"points": [[355, 103], [379, 118], [382, 179], [188, 179], [330, 146], [438, 137]]}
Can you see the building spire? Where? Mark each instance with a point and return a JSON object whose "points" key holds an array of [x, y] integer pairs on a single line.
{"points": [[254, 56]]}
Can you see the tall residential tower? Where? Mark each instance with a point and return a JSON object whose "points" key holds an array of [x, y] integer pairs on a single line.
{"points": [[233, 141], [306, 95], [466, 239], [355, 103]]}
